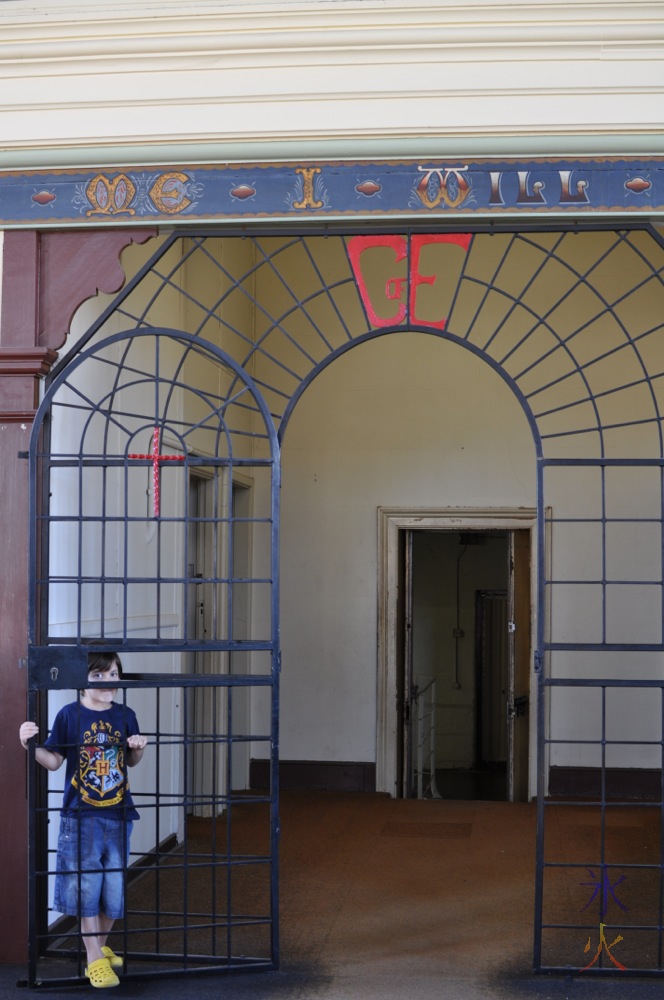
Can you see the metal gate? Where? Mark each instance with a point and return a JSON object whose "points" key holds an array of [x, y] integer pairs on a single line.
{"points": [[121, 560], [570, 319]]}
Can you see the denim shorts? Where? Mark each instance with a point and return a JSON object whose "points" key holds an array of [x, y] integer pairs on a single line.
{"points": [[95, 883]]}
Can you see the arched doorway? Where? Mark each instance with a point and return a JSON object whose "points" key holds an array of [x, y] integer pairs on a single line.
{"points": [[390, 431], [571, 322]]}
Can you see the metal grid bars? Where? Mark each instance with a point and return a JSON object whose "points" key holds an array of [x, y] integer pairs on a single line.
{"points": [[603, 581], [125, 431], [571, 320], [200, 890], [600, 722], [601, 873], [154, 498]]}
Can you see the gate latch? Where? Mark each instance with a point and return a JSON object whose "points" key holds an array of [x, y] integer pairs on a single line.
{"points": [[520, 705], [57, 668]]}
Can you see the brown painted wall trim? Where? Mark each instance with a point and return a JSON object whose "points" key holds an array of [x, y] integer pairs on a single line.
{"points": [[46, 276], [26, 360], [17, 417], [621, 783], [316, 775], [43, 281], [73, 267]]}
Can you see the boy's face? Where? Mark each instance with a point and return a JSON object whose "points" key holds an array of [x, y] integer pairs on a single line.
{"points": [[105, 694]]}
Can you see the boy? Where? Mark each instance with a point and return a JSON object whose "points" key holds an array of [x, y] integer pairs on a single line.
{"points": [[97, 738]]}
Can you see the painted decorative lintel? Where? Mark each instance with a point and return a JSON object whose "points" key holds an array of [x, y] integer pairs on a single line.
{"points": [[327, 190]]}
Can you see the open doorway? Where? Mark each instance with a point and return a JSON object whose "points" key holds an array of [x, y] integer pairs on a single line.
{"points": [[464, 622]]}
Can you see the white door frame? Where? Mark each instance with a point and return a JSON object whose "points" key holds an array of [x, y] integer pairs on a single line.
{"points": [[392, 520]]}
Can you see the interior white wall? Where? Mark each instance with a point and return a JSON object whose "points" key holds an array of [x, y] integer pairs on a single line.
{"points": [[404, 420], [152, 827], [141, 618]]}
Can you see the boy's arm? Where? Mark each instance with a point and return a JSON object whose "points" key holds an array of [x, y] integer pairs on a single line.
{"points": [[47, 758]]}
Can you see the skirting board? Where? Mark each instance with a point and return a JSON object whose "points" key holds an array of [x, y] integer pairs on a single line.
{"points": [[316, 775], [621, 783]]}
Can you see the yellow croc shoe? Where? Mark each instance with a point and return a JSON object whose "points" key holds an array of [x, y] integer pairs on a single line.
{"points": [[101, 974], [116, 961]]}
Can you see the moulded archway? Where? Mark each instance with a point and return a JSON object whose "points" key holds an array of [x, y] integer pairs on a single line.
{"points": [[572, 323], [389, 424]]}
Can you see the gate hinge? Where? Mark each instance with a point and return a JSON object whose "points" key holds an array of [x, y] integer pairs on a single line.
{"points": [[537, 661]]}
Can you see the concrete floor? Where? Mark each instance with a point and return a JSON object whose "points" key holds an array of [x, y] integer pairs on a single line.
{"points": [[387, 900]]}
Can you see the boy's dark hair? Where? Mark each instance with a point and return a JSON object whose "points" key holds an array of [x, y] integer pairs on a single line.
{"points": [[101, 663]]}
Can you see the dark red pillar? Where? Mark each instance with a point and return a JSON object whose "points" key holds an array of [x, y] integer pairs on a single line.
{"points": [[45, 277]]}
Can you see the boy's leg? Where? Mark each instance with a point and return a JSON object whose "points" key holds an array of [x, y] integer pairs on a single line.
{"points": [[95, 931], [104, 924], [114, 860], [112, 903], [79, 877]]}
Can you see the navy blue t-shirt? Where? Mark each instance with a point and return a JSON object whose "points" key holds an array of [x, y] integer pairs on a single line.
{"points": [[94, 745]]}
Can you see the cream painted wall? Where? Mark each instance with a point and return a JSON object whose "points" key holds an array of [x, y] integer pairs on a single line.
{"points": [[393, 422], [409, 420], [80, 77], [209, 277]]}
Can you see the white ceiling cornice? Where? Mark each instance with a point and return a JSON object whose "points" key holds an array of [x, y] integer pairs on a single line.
{"points": [[62, 30], [76, 74]]}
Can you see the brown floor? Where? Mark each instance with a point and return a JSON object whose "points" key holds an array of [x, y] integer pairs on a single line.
{"points": [[384, 899], [407, 883], [441, 894]]}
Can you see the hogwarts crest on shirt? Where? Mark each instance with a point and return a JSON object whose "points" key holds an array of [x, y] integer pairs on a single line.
{"points": [[101, 770]]}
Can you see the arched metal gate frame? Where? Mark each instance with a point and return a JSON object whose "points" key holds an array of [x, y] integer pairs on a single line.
{"points": [[570, 316], [116, 441]]}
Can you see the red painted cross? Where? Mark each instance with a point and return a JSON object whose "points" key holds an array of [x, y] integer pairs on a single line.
{"points": [[156, 459]]}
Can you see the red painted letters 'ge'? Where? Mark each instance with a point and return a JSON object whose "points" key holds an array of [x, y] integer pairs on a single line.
{"points": [[394, 285]]}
